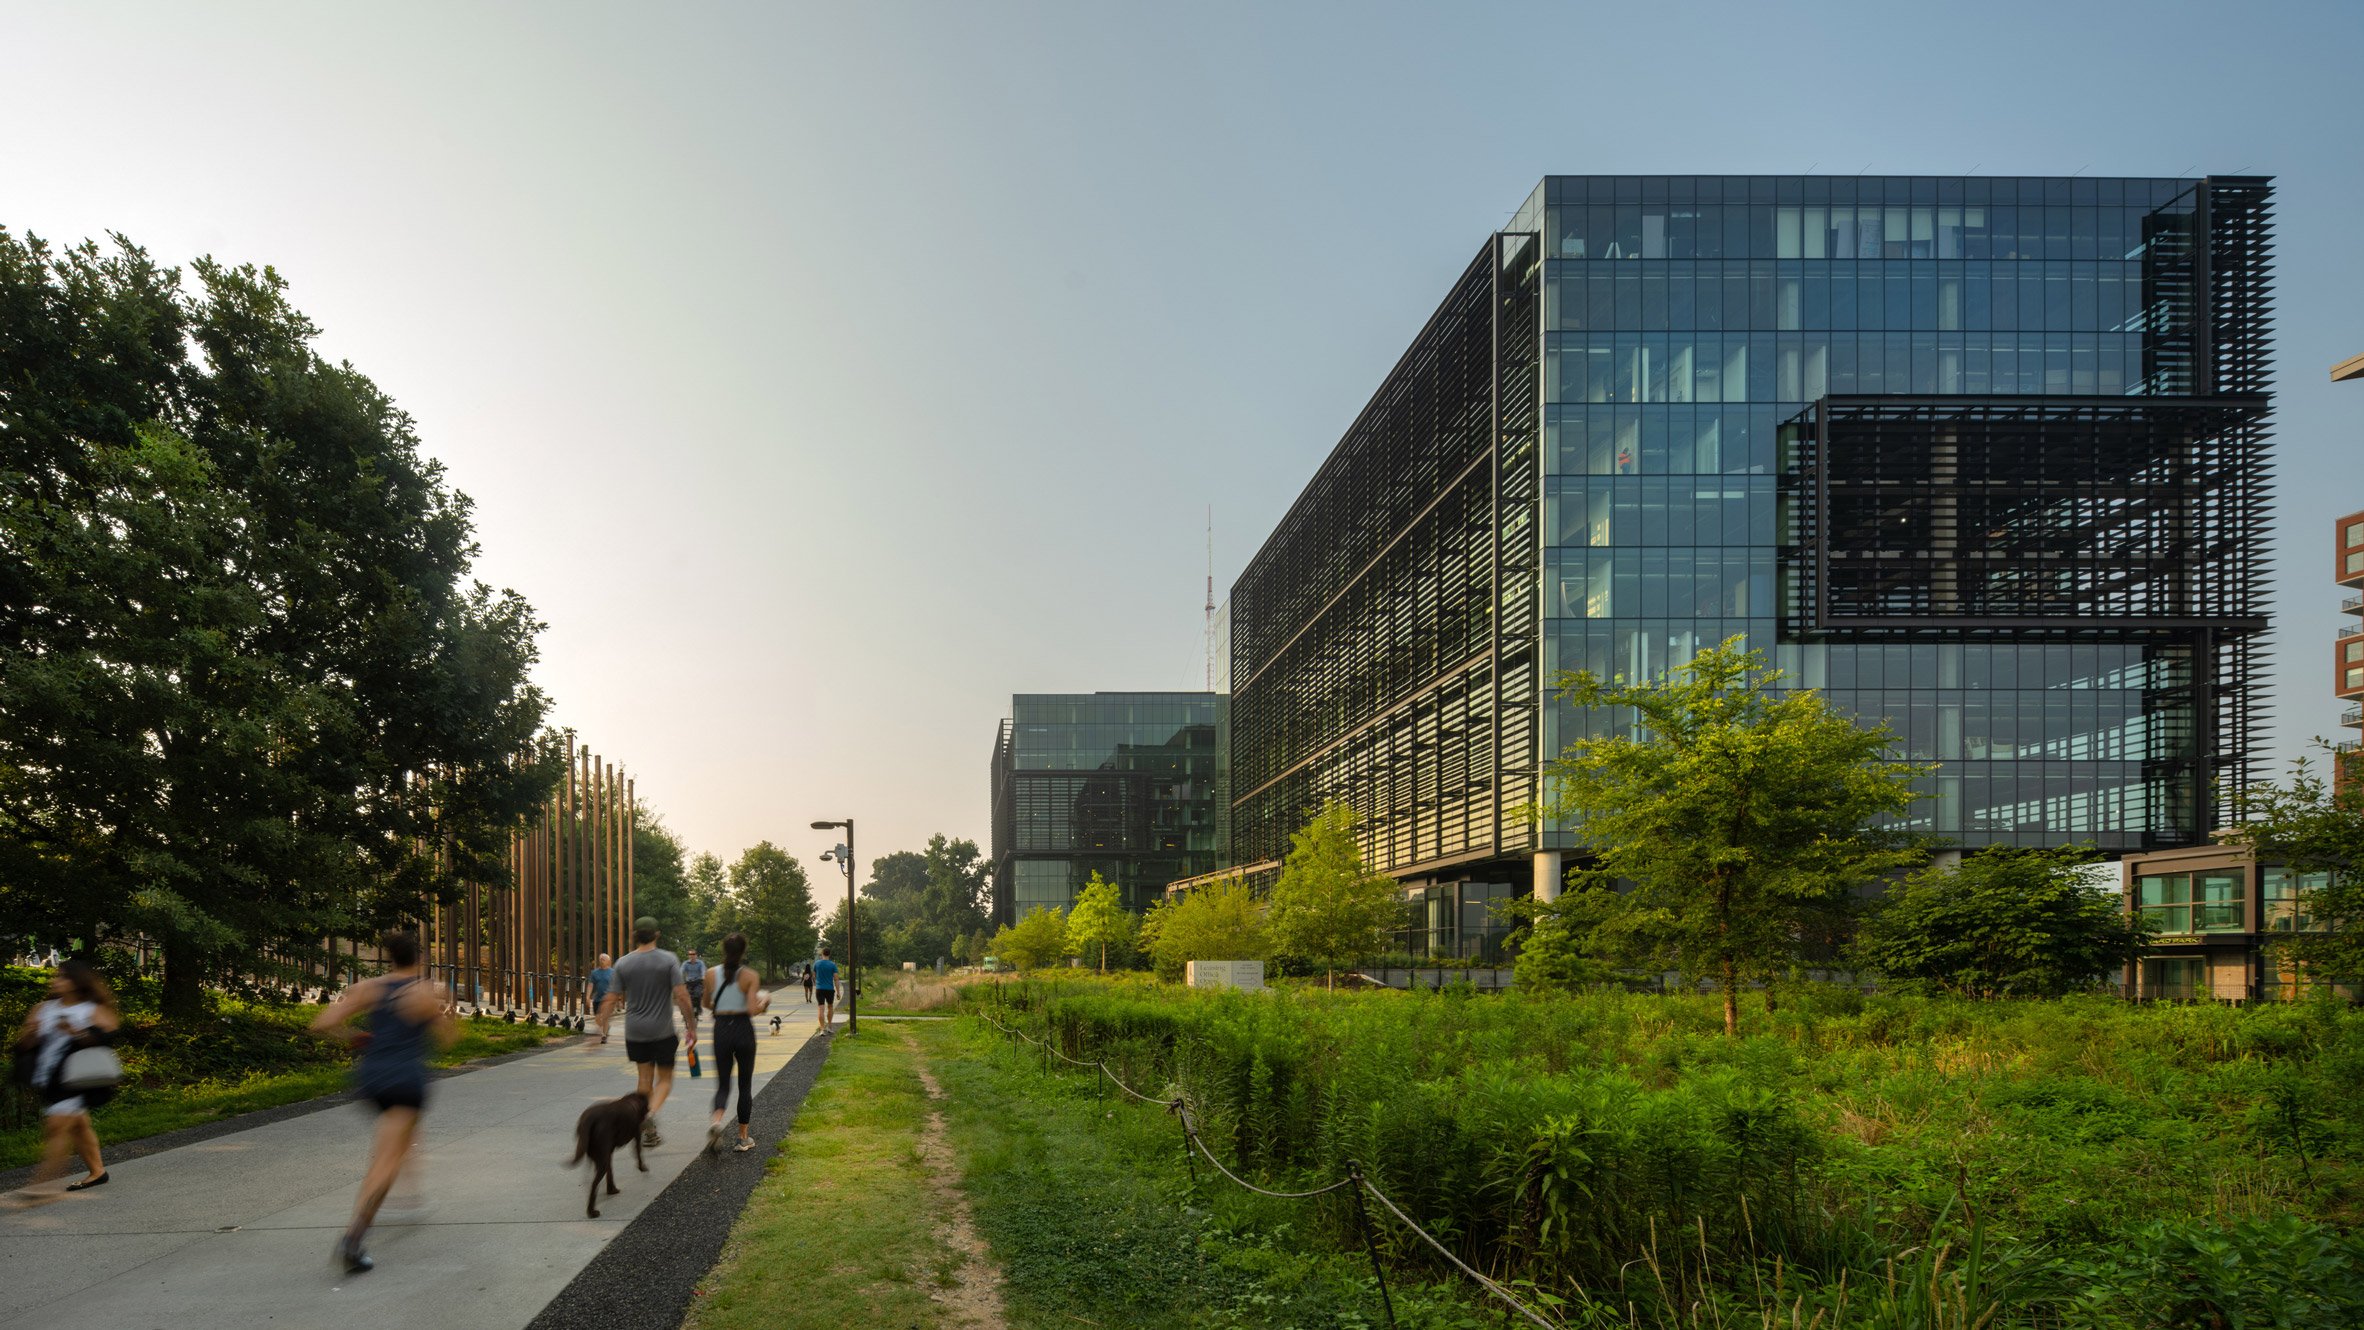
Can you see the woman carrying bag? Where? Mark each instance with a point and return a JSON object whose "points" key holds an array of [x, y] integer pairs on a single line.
{"points": [[74, 1071]]}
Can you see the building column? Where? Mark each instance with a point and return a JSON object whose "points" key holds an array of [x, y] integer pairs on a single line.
{"points": [[1548, 875]]}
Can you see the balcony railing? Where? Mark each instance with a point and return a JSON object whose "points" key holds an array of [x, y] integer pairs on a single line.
{"points": [[2348, 629], [2347, 746], [2352, 716], [2352, 604]]}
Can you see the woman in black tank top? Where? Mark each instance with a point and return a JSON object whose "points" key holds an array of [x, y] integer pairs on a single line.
{"points": [[404, 1015]]}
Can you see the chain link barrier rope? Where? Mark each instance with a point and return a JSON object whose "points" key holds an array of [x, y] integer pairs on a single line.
{"points": [[1192, 1145]]}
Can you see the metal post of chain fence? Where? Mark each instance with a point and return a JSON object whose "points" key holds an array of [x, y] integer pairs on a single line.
{"points": [[1362, 1220], [1190, 1157]]}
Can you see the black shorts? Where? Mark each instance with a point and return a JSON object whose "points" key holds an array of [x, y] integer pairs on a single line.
{"points": [[659, 1052], [399, 1096], [824, 996]]}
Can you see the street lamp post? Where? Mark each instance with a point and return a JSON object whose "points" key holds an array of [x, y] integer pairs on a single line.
{"points": [[853, 933]]}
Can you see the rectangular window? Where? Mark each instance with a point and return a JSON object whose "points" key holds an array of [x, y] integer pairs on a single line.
{"points": [[2355, 533], [2218, 902], [2166, 901], [2285, 898], [2355, 562], [2175, 978]]}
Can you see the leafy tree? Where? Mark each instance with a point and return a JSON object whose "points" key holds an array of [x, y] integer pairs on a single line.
{"points": [[898, 882], [1099, 921], [1037, 940], [250, 696], [711, 912], [660, 887], [1555, 951], [834, 933], [1327, 909], [2315, 826], [1742, 815], [917, 902], [1222, 921], [774, 904], [2005, 923]]}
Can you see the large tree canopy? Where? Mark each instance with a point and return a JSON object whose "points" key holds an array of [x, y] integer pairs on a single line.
{"points": [[2312, 827], [917, 902], [1738, 817], [249, 694], [1327, 910], [2004, 922]]}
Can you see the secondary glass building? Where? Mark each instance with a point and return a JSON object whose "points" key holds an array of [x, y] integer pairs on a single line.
{"points": [[1129, 785], [1984, 458]]}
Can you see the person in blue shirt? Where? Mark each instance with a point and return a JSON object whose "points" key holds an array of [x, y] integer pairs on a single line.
{"points": [[693, 977], [825, 989], [603, 981]]}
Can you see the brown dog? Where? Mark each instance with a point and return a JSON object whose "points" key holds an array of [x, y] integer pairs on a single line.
{"points": [[604, 1128]]}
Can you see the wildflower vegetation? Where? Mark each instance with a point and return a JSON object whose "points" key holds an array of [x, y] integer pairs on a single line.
{"points": [[1880, 1160]]}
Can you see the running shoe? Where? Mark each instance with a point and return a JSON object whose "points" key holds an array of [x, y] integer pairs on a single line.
{"points": [[649, 1140], [714, 1139]]}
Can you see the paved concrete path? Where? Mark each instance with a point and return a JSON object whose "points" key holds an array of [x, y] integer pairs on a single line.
{"points": [[235, 1231]]}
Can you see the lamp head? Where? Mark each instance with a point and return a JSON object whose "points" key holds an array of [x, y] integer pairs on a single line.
{"points": [[826, 826]]}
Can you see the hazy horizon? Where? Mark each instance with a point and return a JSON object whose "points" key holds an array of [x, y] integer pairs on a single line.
{"points": [[824, 377]]}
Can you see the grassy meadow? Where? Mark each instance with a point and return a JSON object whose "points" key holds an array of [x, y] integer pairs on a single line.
{"points": [[1848, 1160]]}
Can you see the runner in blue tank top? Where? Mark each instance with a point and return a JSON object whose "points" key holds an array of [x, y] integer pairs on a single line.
{"points": [[405, 1018], [824, 990]]}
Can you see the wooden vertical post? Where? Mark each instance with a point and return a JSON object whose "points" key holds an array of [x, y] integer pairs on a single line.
{"points": [[632, 804]]}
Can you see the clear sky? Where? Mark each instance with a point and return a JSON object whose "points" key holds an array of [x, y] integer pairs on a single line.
{"points": [[825, 374]]}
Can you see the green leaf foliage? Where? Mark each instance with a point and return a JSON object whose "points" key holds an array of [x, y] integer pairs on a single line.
{"points": [[250, 694], [1737, 816], [1100, 921], [2004, 923], [771, 901], [917, 902], [1222, 921], [1882, 1159], [1038, 939], [1327, 911], [2311, 826]]}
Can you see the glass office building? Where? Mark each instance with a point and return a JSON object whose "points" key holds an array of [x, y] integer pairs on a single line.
{"points": [[1129, 785], [1983, 458]]}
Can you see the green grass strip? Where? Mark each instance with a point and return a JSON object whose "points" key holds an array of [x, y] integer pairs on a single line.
{"points": [[841, 1232]]}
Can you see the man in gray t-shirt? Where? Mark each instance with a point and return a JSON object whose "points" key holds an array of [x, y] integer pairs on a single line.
{"points": [[648, 984]]}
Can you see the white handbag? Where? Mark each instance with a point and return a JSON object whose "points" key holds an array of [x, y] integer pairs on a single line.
{"points": [[94, 1068]]}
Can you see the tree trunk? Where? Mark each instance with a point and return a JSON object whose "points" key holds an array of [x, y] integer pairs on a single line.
{"points": [[1731, 997], [184, 980]]}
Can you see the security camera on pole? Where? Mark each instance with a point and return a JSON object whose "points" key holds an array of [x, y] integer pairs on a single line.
{"points": [[844, 856]]}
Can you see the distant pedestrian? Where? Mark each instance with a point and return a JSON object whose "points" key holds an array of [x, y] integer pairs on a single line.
{"points": [[403, 1015], [693, 977], [603, 981], [807, 977], [648, 984], [825, 990], [736, 997], [80, 1013]]}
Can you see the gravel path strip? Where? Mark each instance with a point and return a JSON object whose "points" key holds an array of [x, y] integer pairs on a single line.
{"points": [[117, 1152], [644, 1278]]}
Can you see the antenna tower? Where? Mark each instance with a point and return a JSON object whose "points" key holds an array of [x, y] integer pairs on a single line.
{"points": [[1210, 598]]}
